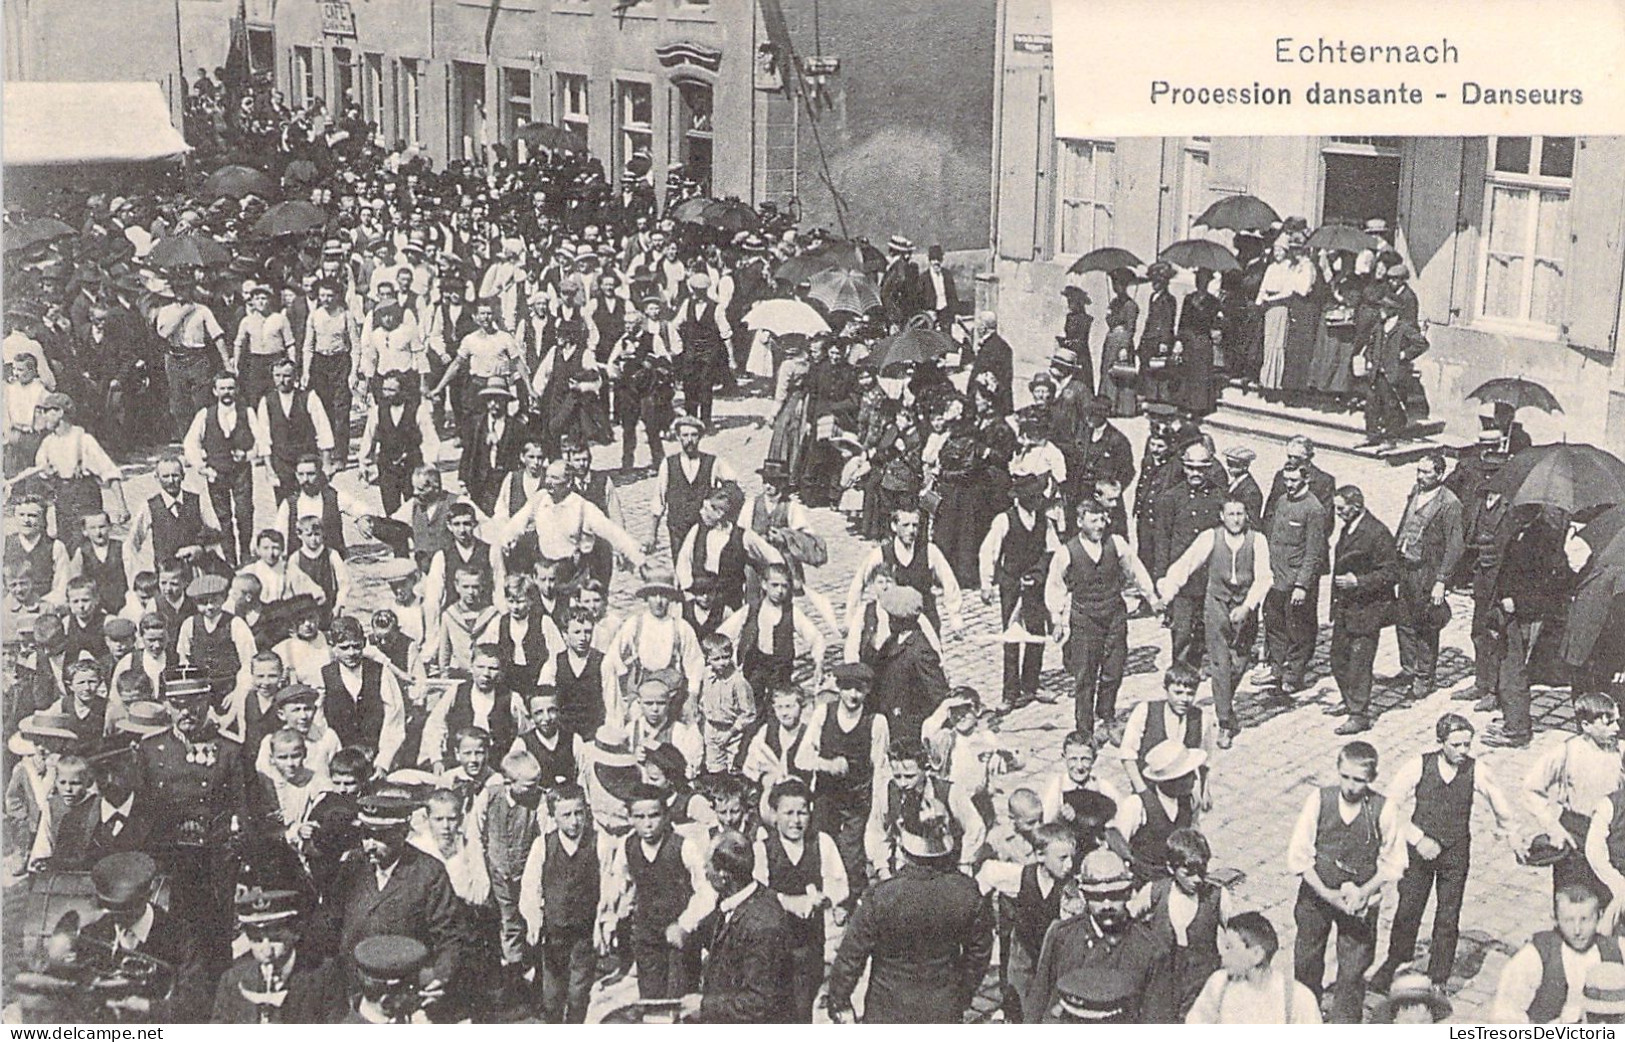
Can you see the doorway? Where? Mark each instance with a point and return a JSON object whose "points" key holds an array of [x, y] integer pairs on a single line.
{"points": [[1361, 181]]}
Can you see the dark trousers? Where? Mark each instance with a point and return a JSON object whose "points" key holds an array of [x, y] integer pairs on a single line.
{"points": [[1228, 648], [1096, 653], [394, 488], [664, 972], [1447, 873], [1501, 667], [330, 379], [844, 819], [1356, 948], [255, 377], [1289, 634], [1418, 641], [629, 444], [191, 386], [569, 963], [233, 502], [1352, 655], [1023, 663], [698, 393], [1185, 629], [282, 469], [1384, 412], [806, 972]]}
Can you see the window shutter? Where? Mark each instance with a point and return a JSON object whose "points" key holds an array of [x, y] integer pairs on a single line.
{"points": [[1427, 219], [1230, 166], [1470, 230], [1596, 244]]}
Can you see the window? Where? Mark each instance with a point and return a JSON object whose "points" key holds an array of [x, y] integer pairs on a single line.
{"points": [[304, 76], [409, 100], [1193, 186], [516, 110], [694, 134], [573, 103], [636, 112], [1084, 196], [343, 79], [468, 132], [1526, 229], [261, 49], [372, 89]]}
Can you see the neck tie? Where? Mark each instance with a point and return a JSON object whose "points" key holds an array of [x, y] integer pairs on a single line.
{"points": [[175, 509]]}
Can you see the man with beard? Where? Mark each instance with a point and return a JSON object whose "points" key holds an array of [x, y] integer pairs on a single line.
{"points": [[223, 443], [178, 523], [396, 889], [1430, 542], [492, 442], [925, 935], [1099, 966], [295, 424], [398, 437], [314, 496]]}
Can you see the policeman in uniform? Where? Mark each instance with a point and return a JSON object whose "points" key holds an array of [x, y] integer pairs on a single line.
{"points": [[389, 966], [276, 982]]}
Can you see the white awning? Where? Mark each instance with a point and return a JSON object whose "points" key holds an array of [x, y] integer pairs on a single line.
{"points": [[48, 124]]}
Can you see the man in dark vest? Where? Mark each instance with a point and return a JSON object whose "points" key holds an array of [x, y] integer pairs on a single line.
{"points": [[1168, 802], [1430, 542], [666, 869], [361, 700], [1183, 513], [803, 869], [314, 496], [1029, 902], [525, 636], [30, 548], [577, 674], [719, 549], [178, 523], [101, 560], [682, 482], [765, 635], [568, 864], [916, 563], [1346, 847], [705, 355], [1014, 559], [844, 744], [595, 487], [483, 701], [295, 424], [1231, 562], [1537, 984], [223, 444], [1084, 595], [400, 429], [1438, 789], [910, 794]]}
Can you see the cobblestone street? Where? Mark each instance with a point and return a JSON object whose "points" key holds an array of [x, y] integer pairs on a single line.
{"points": [[1286, 748]]}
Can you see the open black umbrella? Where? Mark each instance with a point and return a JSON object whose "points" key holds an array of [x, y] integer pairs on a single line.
{"points": [[856, 255], [1342, 237], [1107, 258], [188, 250], [1200, 254], [1572, 478], [300, 171], [36, 233], [689, 210], [1516, 392], [235, 182], [295, 217], [550, 137], [802, 267], [1242, 213], [731, 216], [911, 345]]}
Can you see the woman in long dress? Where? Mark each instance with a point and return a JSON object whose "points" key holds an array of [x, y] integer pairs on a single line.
{"points": [[1122, 319], [1200, 320], [959, 459], [1331, 369], [791, 393], [1288, 276]]}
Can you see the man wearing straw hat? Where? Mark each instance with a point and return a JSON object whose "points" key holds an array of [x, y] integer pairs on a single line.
{"points": [[925, 935], [1098, 966]]}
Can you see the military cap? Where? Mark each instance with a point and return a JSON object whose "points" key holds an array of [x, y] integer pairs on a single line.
{"points": [[389, 957], [121, 880]]}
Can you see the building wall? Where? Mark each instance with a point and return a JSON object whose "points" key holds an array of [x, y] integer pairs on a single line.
{"points": [[1439, 215], [95, 41]]}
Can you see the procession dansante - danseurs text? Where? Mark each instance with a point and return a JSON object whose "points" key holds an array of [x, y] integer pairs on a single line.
{"points": [[1337, 52]]}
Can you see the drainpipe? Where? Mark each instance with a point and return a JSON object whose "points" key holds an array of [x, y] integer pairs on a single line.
{"points": [[1000, 24]]}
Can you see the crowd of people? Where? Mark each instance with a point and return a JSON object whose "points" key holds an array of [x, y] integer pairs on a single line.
{"points": [[487, 796]]}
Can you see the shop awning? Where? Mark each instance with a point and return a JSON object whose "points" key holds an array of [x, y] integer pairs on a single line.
{"points": [[49, 124]]}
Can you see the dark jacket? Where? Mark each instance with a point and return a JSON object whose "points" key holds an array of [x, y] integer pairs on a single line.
{"points": [[316, 994], [926, 936], [994, 356], [418, 902], [1368, 554], [483, 481], [909, 681], [747, 973], [170, 941]]}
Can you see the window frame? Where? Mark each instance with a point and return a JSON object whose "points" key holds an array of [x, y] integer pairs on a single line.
{"points": [[1535, 184], [303, 59], [622, 130], [1060, 248]]}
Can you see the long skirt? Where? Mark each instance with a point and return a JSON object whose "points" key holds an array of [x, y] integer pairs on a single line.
{"points": [[958, 529], [1331, 371], [1273, 368], [1195, 387], [1303, 327], [789, 433], [1120, 390]]}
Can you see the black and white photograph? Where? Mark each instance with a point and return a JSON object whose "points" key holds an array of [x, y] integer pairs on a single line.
{"points": [[725, 512]]}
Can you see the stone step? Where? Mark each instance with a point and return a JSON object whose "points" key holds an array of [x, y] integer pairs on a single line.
{"points": [[1338, 433]]}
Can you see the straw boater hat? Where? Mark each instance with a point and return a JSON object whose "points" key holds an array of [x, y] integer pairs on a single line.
{"points": [[927, 837], [686, 420], [496, 387], [1171, 759], [143, 719], [1065, 358], [659, 580], [614, 765], [899, 244], [48, 725], [1415, 988]]}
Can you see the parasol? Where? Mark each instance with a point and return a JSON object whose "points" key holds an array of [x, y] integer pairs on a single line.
{"points": [[731, 216], [236, 182], [1107, 259], [1242, 213], [802, 267], [1342, 237], [1516, 392], [1200, 254], [1572, 478], [188, 250], [911, 345], [856, 255], [37, 233], [782, 317], [291, 218], [843, 291], [689, 210]]}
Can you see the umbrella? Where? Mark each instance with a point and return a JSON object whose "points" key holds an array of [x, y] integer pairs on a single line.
{"points": [[1242, 213], [911, 345], [731, 216], [188, 250], [782, 317], [1572, 478], [804, 266], [857, 255], [548, 136], [1606, 533], [1516, 392], [689, 210], [844, 291], [302, 171], [235, 182], [36, 233], [1107, 258], [1342, 237], [291, 218], [1200, 254]]}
